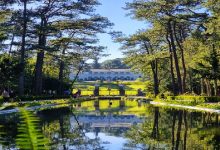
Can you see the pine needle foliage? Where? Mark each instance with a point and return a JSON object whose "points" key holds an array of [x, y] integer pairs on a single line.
{"points": [[30, 136]]}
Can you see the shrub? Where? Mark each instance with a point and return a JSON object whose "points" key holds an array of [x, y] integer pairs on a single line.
{"points": [[184, 102], [149, 95], [164, 95], [196, 98], [168, 93], [1, 99]]}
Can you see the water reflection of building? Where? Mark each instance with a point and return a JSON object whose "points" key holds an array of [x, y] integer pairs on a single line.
{"points": [[94, 123]]}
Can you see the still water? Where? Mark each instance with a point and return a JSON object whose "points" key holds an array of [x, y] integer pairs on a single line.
{"points": [[110, 125]]}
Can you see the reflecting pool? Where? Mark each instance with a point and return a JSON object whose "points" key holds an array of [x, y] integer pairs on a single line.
{"points": [[109, 125]]}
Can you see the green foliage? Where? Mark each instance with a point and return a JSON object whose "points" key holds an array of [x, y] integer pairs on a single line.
{"points": [[114, 64], [63, 38], [195, 98], [29, 133], [1, 100], [211, 66], [210, 105], [182, 37], [9, 70], [181, 102], [176, 126], [186, 97], [4, 16]]}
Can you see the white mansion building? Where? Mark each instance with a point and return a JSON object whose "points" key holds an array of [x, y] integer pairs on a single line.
{"points": [[107, 74]]}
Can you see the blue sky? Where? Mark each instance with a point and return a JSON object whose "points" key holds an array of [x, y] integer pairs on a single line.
{"points": [[112, 9]]}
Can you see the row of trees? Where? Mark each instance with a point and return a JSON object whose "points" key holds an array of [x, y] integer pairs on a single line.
{"points": [[116, 63], [180, 48], [45, 40]]}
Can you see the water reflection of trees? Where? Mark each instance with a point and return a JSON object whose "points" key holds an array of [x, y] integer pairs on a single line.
{"points": [[8, 130], [176, 130], [64, 136], [162, 129]]}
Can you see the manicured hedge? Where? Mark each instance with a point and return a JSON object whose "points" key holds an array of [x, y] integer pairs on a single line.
{"points": [[196, 98]]}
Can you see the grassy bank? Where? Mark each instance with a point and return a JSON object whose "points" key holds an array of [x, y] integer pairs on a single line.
{"points": [[189, 100], [195, 98], [210, 105]]}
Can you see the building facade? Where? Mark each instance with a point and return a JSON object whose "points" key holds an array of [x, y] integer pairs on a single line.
{"points": [[107, 75]]}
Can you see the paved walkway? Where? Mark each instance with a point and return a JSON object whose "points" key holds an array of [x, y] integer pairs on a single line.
{"points": [[186, 107]]}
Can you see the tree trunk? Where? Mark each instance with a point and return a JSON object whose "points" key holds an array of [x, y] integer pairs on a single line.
{"points": [[190, 82], [40, 59], [179, 43], [23, 43], [39, 72], [155, 132], [62, 130], [11, 44], [178, 130], [186, 130], [208, 87], [173, 130], [171, 66], [154, 67], [204, 119], [62, 66], [77, 74], [172, 75], [172, 42], [202, 86], [61, 69], [216, 87]]}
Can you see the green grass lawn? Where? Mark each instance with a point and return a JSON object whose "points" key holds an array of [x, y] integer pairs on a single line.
{"points": [[110, 88]]}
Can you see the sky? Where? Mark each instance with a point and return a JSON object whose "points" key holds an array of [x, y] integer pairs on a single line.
{"points": [[113, 10]]}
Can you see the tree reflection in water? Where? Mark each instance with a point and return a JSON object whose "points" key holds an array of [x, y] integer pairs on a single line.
{"points": [[63, 135], [176, 130], [154, 128]]}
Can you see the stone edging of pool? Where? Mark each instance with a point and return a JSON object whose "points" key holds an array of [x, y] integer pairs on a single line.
{"points": [[32, 108], [149, 101], [186, 107]]}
